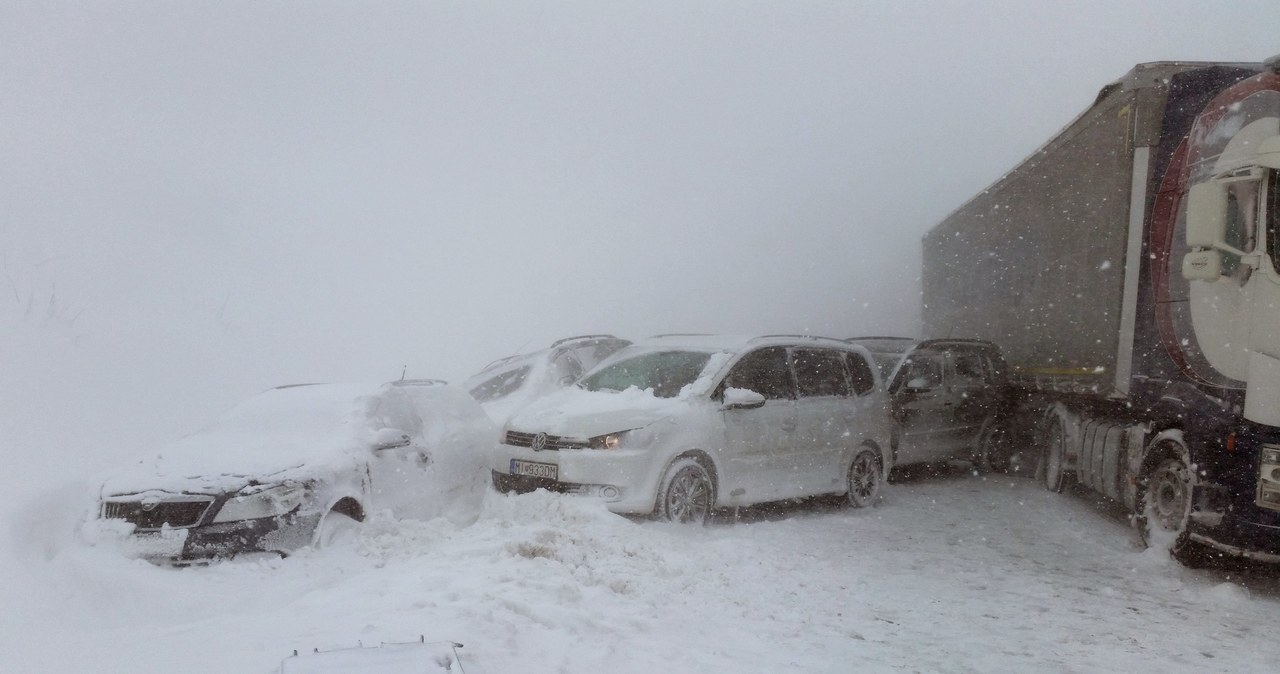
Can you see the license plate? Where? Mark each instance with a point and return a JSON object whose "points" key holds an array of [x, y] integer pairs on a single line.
{"points": [[548, 471]]}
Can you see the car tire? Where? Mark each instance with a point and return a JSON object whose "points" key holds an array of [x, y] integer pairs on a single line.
{"points": [[864, 478], [687, 494], [334, 528], [993, 452]]}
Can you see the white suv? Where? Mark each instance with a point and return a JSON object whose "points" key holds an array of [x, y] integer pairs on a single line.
{"points": [[681, 425]]}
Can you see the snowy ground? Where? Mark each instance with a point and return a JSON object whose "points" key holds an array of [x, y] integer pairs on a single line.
{"points": [[956, 573]]}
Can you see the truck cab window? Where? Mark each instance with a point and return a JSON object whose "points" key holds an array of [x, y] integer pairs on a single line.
{"points": [[1242, 214], [1272, 215]]}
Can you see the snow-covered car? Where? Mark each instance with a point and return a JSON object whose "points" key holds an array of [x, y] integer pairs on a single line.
{"points": [[678, 426], [950, 400], [507, 384], [296, 465]]}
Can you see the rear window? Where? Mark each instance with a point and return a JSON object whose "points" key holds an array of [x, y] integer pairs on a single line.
{"points": [[665, 372], [860, 375]]}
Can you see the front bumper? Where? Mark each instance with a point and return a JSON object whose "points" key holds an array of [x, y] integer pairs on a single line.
{"points": [[280, 535], [624, 479]]}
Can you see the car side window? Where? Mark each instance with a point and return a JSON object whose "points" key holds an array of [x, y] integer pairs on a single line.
{"points": [[764, 371], [922, 371], [567, 367], [819, 372], [860, 375], [969, 369]]}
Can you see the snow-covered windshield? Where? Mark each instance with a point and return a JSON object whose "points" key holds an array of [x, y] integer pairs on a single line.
{"points": [[665, 372], [501, 385]]}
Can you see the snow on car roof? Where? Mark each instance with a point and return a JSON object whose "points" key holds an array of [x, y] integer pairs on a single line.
{"points": [[286, 428], [728, 342]]}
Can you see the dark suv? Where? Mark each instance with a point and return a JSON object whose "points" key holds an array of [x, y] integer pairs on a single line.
{"points": [[949, 398]]}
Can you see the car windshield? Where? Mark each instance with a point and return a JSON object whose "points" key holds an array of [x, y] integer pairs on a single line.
{"points": [[501, 385], [665, 372]]}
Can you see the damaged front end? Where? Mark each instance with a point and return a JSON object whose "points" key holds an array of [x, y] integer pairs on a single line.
{"points": [[182, 528]]}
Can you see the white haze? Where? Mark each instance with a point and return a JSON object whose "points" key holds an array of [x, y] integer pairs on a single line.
{"points": [[202, 200]]}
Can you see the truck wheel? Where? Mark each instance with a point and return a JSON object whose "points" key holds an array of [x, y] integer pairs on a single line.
{"points": [[1164, 509], [865, 475], [1053, 457], [687, 495]]}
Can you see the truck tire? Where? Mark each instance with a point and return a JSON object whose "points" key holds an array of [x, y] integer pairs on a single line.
{"points": [[1164, 508], [1052, 471]]}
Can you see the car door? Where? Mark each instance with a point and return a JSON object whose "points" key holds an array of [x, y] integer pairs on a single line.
{"points": [[399, 464], [755, 438], [921, 408], [825, 415], [968, 381]]}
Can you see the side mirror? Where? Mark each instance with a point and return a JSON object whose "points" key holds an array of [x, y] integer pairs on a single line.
{"points": [[918, 385], [1269, 153], [1202, 265], [1207, 214], [385, 444], [742, 399]]}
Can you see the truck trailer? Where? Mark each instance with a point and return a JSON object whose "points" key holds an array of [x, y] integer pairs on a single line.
{"points": [[1130, 271]]}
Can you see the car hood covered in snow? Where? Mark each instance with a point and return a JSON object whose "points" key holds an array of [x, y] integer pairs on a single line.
{"points": [[583, 414], [290, 432]]}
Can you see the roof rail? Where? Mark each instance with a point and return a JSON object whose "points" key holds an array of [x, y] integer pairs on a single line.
{"points": [[905, 339], [681, 334], [813, 337], [419, 382], [284, 386], [558, 342]]}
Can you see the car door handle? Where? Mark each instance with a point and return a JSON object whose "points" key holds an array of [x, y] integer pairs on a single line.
{"points": [[789, 425]]}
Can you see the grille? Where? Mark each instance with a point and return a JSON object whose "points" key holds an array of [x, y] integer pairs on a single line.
{"points": [[176, 514], [554, 442]]}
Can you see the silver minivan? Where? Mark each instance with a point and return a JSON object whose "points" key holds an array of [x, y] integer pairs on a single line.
{"points": [[681, 425]]}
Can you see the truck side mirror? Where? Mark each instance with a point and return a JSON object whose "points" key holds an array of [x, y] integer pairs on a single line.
{"points": [[1202, 265], [1269, 153], [1207, 214]]}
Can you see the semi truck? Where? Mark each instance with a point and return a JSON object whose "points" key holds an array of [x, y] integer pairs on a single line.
{"points": [[1130, 271]]}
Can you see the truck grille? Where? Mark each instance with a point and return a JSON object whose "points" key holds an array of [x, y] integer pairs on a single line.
{"points": [[553, 442], [175, 514]]}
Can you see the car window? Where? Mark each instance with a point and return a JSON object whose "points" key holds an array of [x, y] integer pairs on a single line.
{"points": [[819, 372], [666, 372], [591, 354], [921, 370], [860, 375], [567, 368], [764, 371], [501, 385], [968, 369]]}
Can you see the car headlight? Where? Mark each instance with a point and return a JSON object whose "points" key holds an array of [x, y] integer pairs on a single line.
{"points": [[258, 501], [608, 440]]}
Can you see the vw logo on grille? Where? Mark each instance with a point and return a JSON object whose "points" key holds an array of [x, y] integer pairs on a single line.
{"points": [[539, 442], [149, 503]]}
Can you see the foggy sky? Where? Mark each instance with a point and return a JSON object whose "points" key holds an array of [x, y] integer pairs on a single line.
{"points": [[202, 200]]}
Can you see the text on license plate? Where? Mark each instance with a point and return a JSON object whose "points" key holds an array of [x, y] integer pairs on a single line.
{"points": [[549, 471]]}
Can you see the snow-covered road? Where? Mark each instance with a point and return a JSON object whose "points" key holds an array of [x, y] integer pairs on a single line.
{"points": [[957, 573]]}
